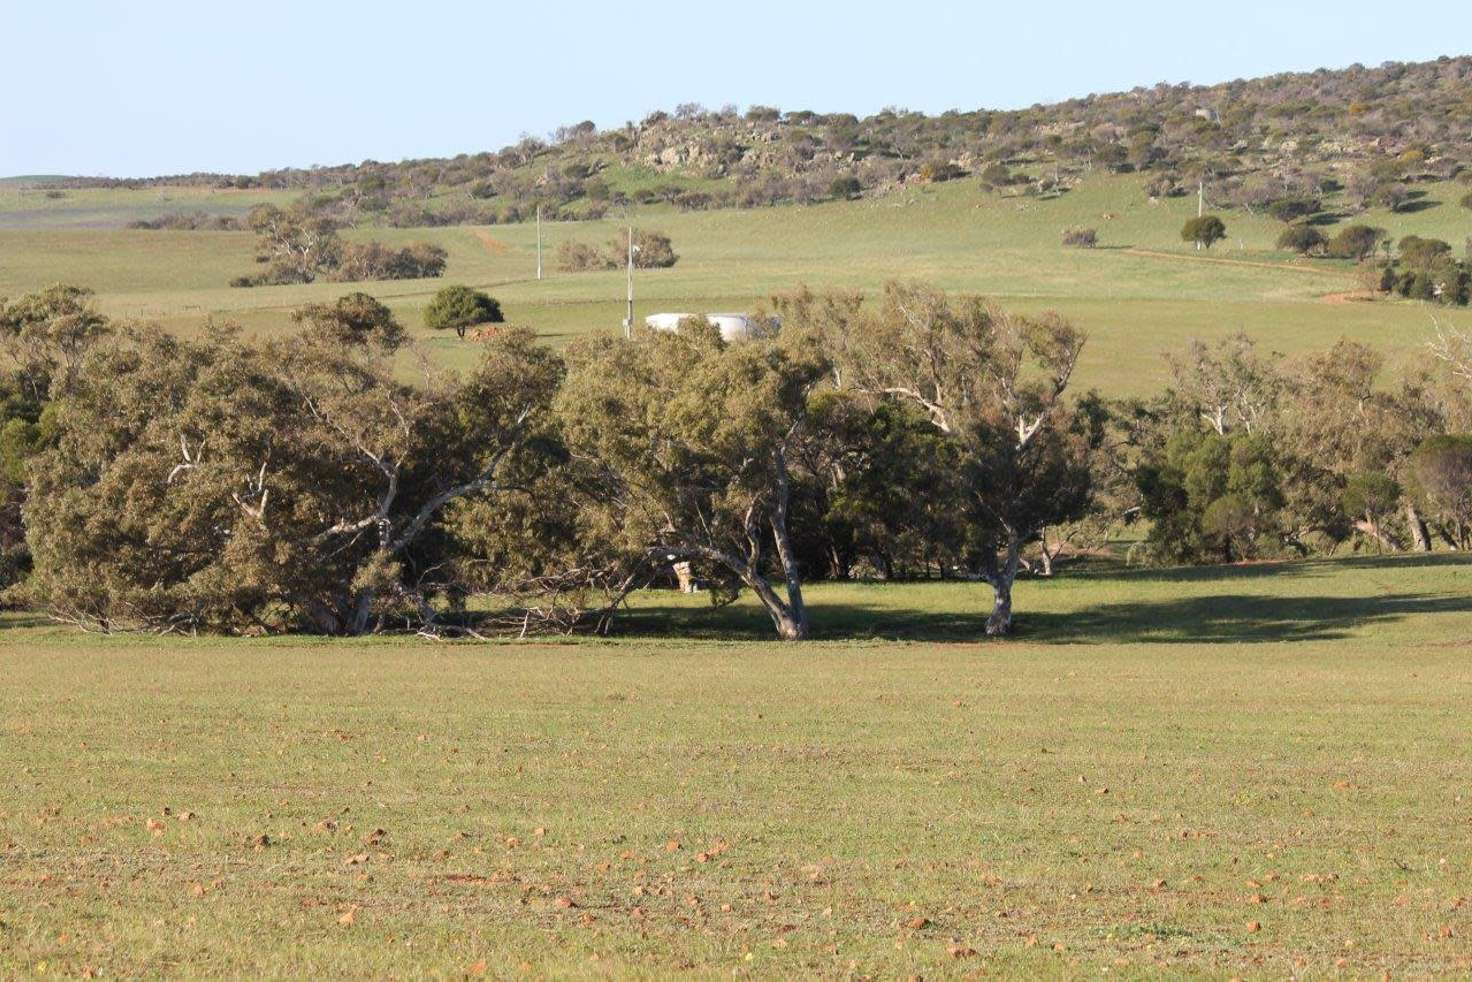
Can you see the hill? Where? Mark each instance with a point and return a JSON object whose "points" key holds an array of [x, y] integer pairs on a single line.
{"points": [[1375, 132]]}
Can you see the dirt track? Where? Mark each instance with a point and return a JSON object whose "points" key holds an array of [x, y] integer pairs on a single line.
{"points": [[1228, 262]]}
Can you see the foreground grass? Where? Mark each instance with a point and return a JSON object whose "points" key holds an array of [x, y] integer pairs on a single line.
{"points": [[1258, 770]]}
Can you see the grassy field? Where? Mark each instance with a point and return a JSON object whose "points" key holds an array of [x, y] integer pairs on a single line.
{"points": [[1143, 292], [1256, 771]]}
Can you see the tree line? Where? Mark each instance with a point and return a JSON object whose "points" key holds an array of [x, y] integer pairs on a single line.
{"points": [[234, 484]]}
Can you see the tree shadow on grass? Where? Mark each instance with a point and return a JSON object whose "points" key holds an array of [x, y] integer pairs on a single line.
{"points": [[1233, 618], [1216, 617]]}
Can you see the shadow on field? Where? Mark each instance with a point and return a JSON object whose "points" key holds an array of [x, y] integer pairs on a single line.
{"points": [[1232, 618], [1225, 614]]}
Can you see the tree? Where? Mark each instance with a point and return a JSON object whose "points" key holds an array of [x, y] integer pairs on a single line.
{"points": [[233, 485], [1441, 480], [686, 440], [1210, 496], [1228, 385], [46, 335], [1372, 496], [1204, 231], [1302, 239], [355, 319], [992, 385], [459, 308], [1422, 254], [295, 244], [1357, 242]]}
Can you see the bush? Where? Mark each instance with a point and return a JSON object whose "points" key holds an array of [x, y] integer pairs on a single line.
{"points": [[579, 257], [1466, 201], [376, 261], [1080, 238], [1292, 209], [936, 171], [653, 250], [996, 175], [1204, 231], [848, 187], [1302, 239], [459, 308], [1419, 253], [1356, 242]]}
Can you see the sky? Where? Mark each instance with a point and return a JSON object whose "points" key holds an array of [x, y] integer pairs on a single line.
{"points": [[103, 87]]}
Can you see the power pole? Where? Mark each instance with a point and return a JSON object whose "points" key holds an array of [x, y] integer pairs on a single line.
{"points": [[1200, 206], [629, 324], [539, 242]]}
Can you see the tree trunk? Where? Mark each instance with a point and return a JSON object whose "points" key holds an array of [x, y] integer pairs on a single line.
{"points": [[362, 610], [1420, 538], [1001, 579], [1370, 527], [789, 618], [793, 624]]}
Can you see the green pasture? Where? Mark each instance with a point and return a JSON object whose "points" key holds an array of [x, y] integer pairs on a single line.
{"points": [[1253, 772], [1141, 293]]}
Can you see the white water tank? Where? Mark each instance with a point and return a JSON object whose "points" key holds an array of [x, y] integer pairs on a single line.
{"points": [[733, 327]]}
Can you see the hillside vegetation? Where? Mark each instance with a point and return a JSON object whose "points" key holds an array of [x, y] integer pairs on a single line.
{"points": [[1378, 132]]}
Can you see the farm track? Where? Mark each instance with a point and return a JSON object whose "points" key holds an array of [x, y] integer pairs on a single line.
{"points": [[1220, 260]]}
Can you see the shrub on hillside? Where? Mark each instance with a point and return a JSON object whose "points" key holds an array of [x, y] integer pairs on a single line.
{"points": [[848, 187], [579, 257], [1080, 238], [376, 261], [936, 171], [652, 250], [1467, 200], [1292, 209], [1356, 242], [1302, 239], [188, 221]]}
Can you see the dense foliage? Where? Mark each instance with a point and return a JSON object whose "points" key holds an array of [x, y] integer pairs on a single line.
{"points": [[304, 482]]}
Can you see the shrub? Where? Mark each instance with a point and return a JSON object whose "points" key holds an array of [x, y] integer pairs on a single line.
{"points": [[936, 171], [1419, 253], [1204, 231], [1356, 242], [996, 175], [579, 257], [848, 187], [1302, 239], [376, 261], [459, 308], [1080, 238], [1466, 201], [1292, 209], [652, 250]]}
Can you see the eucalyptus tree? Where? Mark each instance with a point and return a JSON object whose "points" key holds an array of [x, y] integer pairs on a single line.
{"points": [[992, 385], [685, 442], [231, 484]]}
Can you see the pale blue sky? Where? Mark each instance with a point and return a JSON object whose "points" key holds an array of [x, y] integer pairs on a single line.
{"points": [[94, 87]]}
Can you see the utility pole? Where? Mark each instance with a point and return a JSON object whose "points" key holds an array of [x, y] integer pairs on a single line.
{"points": [[629, 324], [539, 242], [1200, 205]]}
